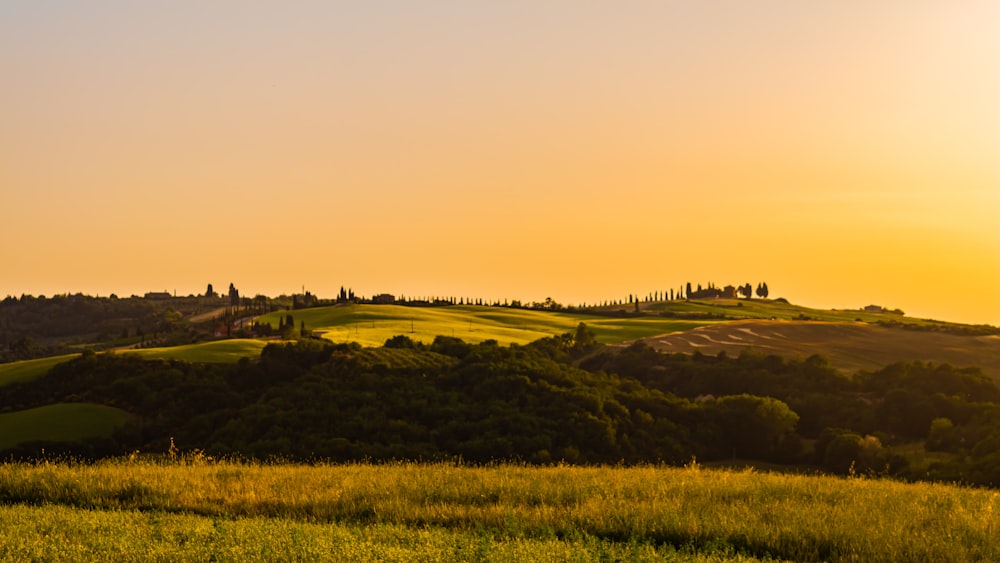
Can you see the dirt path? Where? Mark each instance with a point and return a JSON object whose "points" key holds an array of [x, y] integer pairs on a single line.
{"points": [[208, 316]]}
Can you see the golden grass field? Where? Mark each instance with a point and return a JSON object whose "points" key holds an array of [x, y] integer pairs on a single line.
{"points": [[197, 509], [372, 325]]}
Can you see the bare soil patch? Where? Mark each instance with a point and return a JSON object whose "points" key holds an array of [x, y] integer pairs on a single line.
{"points": [[849, 346]]}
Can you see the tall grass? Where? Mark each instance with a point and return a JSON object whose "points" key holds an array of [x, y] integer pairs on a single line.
{"points": [[51, 533], [708, 512]]}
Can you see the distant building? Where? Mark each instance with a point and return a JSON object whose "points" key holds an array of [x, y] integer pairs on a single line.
{"points": [[384, 299], [157, 295], [874, 309], [729, 292]]}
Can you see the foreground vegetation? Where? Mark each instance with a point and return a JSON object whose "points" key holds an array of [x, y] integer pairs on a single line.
{"points": [[197, 509]]}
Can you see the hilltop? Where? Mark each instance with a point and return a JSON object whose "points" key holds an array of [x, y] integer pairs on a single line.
{"points": [[190, 328], [850, 340], [33, 327]]}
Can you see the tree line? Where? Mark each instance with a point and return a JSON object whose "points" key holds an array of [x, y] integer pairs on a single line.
{"points": [[563, 398]]}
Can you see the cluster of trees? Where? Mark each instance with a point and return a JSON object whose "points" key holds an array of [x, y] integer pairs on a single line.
{"points": [[697, 292], [855, 421], [32, 327], [348, 296], [712, 292], [559, 398]]}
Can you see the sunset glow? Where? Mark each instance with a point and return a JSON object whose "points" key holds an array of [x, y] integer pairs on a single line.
{"points": [[847, 153]]}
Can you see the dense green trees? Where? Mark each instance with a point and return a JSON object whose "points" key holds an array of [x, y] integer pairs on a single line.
{"points": [[560, 398], [59, 324], [762, 290]]}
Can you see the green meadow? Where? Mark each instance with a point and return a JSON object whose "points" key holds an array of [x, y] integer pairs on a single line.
{"points": [[60, 422], [216, 351], [26, 370], [372, 325], [65, 422], [193, 508]]}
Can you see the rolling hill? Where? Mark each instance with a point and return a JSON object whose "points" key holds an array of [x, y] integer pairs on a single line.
{"points": [[216, 351], [851, 339], [61, 422], [372, 325], [849, 346], [26, 370]]}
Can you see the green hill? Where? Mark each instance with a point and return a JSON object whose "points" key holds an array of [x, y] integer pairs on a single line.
{"points": [[26, 370], [61, 422], [216, 351], [670, 323], [372, 325]]}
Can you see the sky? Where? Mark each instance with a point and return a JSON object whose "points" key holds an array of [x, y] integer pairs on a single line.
{"points": [[844, 152]]}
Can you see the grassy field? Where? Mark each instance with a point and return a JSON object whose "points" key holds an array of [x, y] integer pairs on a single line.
{"points": [[89, 535], [27, 370], [73, 422], [68, 422], [216, 351], [372, 325], [196, 509]]}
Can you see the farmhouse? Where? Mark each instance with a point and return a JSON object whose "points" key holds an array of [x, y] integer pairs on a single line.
{"points": [[874, 309], [157, 295], [384, 299]]}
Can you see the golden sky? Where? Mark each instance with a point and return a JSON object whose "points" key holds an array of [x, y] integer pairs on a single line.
{"points": [[845, 152]]}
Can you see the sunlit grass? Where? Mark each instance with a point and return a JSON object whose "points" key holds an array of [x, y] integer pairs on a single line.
{"points": [[26, 370], [68, 422], [216, 351], [70, 534], [372, 325], [506, 508]]}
